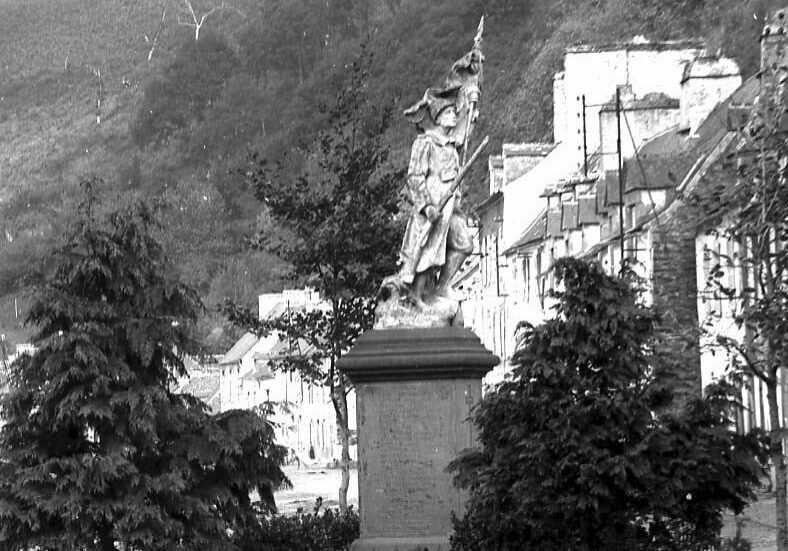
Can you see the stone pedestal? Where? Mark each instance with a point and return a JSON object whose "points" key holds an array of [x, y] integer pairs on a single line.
{"points": [[414, 391]]}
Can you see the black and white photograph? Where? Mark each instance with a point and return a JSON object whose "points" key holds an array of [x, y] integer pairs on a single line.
{"points": [[394, 275]]}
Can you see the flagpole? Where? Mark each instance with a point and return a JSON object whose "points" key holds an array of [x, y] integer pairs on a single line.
{"points": [[474, 99]]}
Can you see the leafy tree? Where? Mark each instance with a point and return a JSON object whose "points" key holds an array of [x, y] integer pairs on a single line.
{"points": [[573, 454], [191, 83], [96, 448], [292, 36], [750, 209], [342, 234]]}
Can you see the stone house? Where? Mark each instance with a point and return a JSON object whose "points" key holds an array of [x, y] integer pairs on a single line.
{"points": [[303, 412], [552, 199], [675, 138]]}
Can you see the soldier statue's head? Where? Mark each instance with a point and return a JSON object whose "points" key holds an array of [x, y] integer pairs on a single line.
{"points": [[435, 104]]}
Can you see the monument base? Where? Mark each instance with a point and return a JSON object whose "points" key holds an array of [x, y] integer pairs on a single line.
{"points": [[401, 544], [414, 392]]}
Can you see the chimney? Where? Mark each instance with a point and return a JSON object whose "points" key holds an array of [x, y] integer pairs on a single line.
{"points": [[705, 83]]}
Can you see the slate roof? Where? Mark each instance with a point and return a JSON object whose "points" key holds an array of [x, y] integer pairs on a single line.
{"points": [[533, 233], [553, 223], [239, 349], [569, 216], [206, 388], [610, 188], [586, 206], [277, 310], [491, 200], [657, 172], [284, 347]]}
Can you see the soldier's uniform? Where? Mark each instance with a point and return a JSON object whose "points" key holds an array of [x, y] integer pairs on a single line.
{"points": [[434, 164]]}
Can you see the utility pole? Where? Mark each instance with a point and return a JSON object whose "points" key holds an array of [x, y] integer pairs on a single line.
{"points": [[585, 142], [620, 175]]}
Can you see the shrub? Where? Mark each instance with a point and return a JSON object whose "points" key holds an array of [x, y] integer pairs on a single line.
{"points": [[333, 531]]}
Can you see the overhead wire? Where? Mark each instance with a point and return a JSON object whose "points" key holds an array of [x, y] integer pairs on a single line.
{"points": [[654, 208]]}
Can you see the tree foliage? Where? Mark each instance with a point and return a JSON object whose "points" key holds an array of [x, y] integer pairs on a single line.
{"points": [[578, 450], [96, 448], [192, 82], [329, 531], [749, 210], [342, 229]]}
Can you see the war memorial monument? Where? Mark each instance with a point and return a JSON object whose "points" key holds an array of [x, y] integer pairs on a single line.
{"points": [[418, 372]]}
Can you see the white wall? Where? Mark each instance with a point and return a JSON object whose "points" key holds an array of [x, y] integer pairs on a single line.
{"points": [[522, 203], [706, 83], [596, 72]]}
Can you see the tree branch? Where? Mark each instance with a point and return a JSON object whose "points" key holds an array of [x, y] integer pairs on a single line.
{"points": [[155, 41], [191, 20]]}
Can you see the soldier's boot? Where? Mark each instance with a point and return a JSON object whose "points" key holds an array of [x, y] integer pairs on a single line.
{"points": [[454, 260], [417, 290]]}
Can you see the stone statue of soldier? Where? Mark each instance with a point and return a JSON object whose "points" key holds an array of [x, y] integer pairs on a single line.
{"points": [[436, 242], [437, 239]]}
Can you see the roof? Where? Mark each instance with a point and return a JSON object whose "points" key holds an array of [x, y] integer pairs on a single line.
{"points": [[275, 311], [239, 349], [284, 347], [710, 67], [202, 387], [553, 227], [491, 200], [569, 216], [527, 149], [466, 272], [586, 210], [657, 172], [654, 100], [611, 185], [533, 233], [669, 158], [636, 44]]}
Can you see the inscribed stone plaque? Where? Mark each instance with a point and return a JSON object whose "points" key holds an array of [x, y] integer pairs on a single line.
{"points": [[408, 434]]}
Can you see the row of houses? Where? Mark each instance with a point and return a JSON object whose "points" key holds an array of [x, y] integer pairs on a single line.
{"points": [[638, 126], [245, 378]]}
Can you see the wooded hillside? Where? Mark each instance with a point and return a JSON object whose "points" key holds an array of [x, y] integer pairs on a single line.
{"points": [[179, 127]]}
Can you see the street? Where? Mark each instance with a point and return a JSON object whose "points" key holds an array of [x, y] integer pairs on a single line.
{"points": [[312, 482]]}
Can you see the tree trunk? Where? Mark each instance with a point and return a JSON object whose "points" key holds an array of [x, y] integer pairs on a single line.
{"points": [[344, 440], [777, 457]]}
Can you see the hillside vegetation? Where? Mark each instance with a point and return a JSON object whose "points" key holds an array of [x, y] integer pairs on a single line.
{"points": [[179, 128]]}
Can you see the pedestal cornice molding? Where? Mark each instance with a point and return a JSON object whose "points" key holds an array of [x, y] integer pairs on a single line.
{"points": [[417, 354]]}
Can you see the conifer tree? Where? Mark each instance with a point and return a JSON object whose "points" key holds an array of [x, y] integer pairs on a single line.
{"points": [[96, 448], [582, 447]]}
